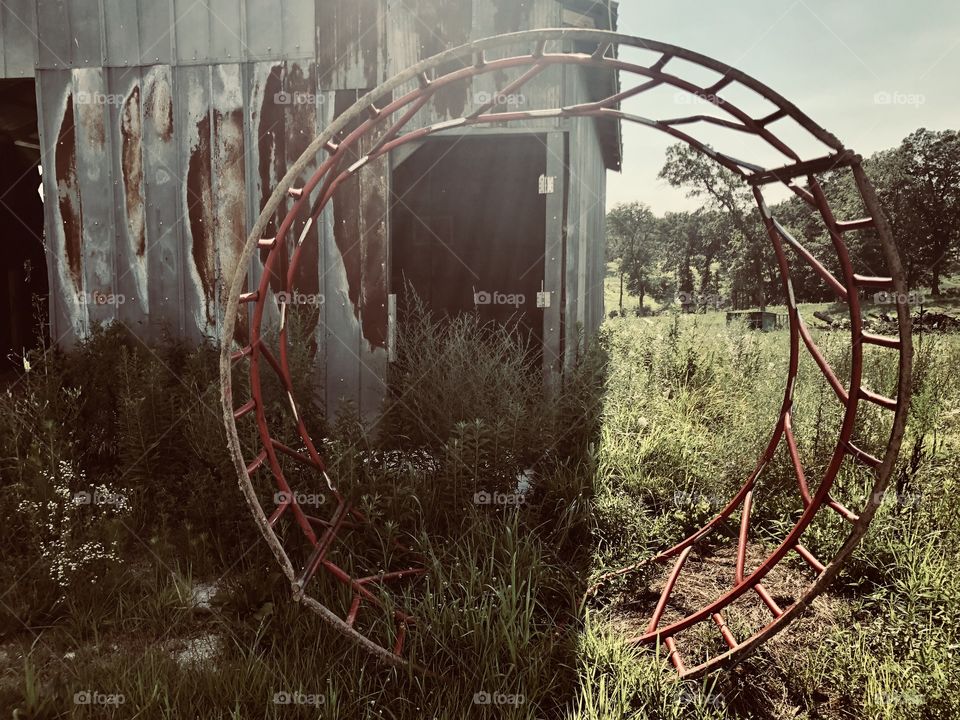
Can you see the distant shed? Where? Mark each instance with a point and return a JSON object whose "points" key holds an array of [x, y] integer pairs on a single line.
{"points": [[163, 126], [757, 319]]}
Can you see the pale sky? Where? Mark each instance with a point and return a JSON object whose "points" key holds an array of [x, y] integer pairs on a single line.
{"points": [[829, 57]]}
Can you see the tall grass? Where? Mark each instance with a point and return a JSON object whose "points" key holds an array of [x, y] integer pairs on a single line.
{"points": [[660, 422]]}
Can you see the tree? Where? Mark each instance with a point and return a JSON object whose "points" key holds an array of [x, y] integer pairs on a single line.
{"points": [[725, 193], [924, 198], [918, 184], [632, 239]]}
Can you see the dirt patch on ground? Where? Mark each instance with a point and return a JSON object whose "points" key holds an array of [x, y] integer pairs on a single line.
{"points": [[706, 575]]}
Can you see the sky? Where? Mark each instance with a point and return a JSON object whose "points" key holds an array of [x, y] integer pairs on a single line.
{"points": [[869, 71]]}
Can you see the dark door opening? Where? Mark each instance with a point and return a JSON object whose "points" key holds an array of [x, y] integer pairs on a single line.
{"points": [[469, 226], [23, 266]]}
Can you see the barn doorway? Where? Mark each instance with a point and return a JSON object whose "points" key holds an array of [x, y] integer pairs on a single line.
{"points": [[468, 219], [23, 266]]}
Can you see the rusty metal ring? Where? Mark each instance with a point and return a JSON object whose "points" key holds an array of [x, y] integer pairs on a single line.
{"points": [[417, 86]]}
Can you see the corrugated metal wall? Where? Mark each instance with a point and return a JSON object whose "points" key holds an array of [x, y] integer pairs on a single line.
{"points": [[165, 125]]}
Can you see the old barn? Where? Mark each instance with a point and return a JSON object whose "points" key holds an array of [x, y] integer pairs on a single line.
{"points": [[162, 126]]}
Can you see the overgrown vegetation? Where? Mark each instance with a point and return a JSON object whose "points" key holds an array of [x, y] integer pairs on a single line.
{"points": [[663, 417]]}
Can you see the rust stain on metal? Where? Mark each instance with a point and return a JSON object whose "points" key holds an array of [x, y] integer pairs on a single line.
{"points": [[369, 11], [348, 41], [68, 192], [159, 107], [229, 219], [301, 123], [200, 213], [270, 141], [93, 124], [271, 150], [132, 169], [346, 212], [374, 242], [440, 25]]}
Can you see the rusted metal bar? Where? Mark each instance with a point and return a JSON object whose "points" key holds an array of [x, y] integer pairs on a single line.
{"points": [[667, 589], [789, 172], [721, 624], [743, 537]]}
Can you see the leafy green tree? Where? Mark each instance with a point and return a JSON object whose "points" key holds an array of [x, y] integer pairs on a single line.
{"points": [[632, 242], [919, 187], [747, 246]]}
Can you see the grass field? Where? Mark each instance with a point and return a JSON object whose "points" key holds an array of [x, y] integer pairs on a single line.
{"points": [[161, 601]]}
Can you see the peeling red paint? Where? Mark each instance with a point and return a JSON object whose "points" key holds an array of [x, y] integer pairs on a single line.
{"points": [[200, 214], [68, 193], [132, 169]]}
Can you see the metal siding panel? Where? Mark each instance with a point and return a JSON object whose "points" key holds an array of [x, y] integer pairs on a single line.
{"points": [[85, 24], [229, 171], [572, 260], [545, 14], [193, 137], [374, 281], [440, 25], [122, 33], [553, 258], [192, 31], [126, 119], [53, 25], [298, 22], [18, 28], [349, 44], [301, 120], [601, 271], [156, 31], [163, 222], [94, 174], [342, 283], [226, 30], [326, 245], [264, 33], [266, 157], [62, 209], [583, 234]]}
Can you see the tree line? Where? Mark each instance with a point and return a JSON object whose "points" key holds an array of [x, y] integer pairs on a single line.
{"points": [[720, 255]]}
